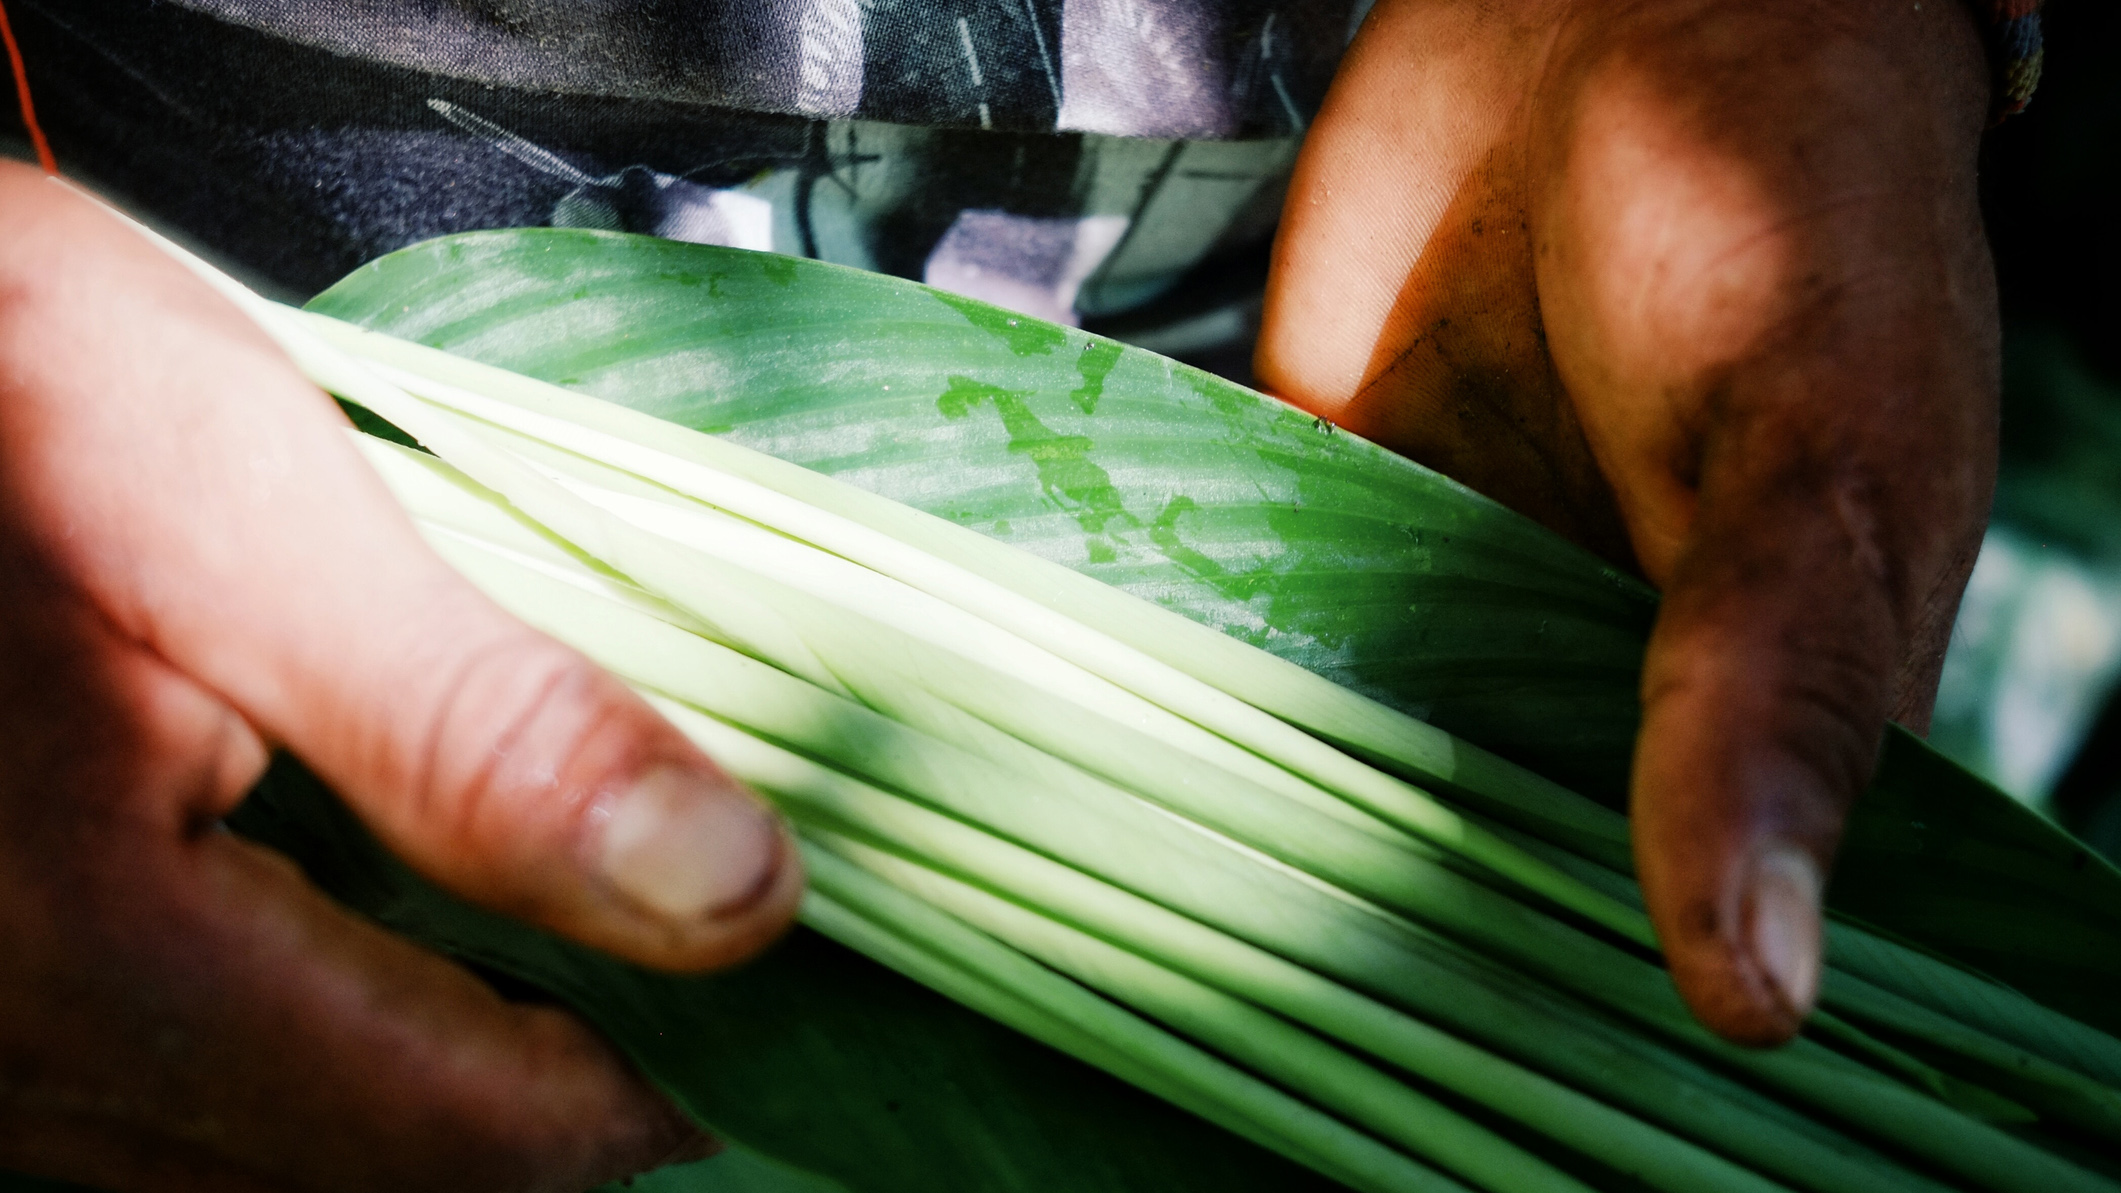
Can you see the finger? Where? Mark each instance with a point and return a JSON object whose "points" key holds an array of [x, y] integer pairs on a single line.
{"points": [[1817, 564], [1766, 286], [1765, 691], [250, 546], [184, 1011]]}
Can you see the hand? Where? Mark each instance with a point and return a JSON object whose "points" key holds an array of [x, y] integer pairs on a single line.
{"points": [[1702, 285], [196, 567]]}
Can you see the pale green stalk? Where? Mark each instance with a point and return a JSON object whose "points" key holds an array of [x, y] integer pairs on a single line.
{"points": [[1533, 940], [612, 541], [2041, 1084], [1186, 869], [1271, 684], [856, 542], [963, 964], [1039, 627], [1262, 1042], [813, 793], [1975, 1001], [1964, 1146]]}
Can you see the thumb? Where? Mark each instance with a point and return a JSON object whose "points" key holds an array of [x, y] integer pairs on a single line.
{"points": [[494, 759], [1762, 711], [1785, 628], [212, 505], [517, 773]]}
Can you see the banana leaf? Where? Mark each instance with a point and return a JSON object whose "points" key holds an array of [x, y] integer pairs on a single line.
{"points": [[1205, 497]]}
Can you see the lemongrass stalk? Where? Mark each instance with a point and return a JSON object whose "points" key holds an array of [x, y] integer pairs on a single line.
{"points": [[1556, 805], [1535, 941], [445, 503], [1968, 1024], [906, 955], [1073, 654], [1274, 685], [1096, 652], [704, 587], [1269, 683], [1296, 835], [814, 794], [1105, 835], [1969, 1149], [854, 638], [945, 626], [437, 492], [840, 538], [1267, 1045], [995, 785], [598, 535], [964, 964], [1846, 1103]]}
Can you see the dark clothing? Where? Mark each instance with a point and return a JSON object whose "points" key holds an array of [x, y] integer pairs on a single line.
{"points": [[1115, 161]]}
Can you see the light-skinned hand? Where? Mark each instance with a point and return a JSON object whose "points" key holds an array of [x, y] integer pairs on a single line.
{"points": [[196, 568]]}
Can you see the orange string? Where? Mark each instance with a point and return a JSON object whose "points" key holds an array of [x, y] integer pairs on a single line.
{"points": [[29, 110]]}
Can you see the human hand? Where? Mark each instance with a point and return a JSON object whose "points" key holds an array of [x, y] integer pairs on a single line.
{"points": [[197, 567], [1702, 285]]}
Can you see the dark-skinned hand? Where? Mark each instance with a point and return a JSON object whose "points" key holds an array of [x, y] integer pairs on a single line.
{"points": [[1702, 285], [196, 567]]}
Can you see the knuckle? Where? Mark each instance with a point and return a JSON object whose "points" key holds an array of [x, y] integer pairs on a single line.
{"points": [[1811, 687], [517, 739]]}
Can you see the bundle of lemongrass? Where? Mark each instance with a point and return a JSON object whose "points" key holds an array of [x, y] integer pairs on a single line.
{"points": [[1156, 848]]}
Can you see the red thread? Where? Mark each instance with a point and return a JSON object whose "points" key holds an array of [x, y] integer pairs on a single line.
{"points": [[29, 110]]}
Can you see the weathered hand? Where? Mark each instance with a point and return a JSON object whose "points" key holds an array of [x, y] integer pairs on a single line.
{"points": [[195, 566], [1701, 284]]}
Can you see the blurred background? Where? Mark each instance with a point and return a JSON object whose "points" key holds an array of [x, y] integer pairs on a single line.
{"points": [[2030, 695]]}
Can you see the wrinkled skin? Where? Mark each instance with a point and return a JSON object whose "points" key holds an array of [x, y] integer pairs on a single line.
{"points": [[1699, 284], [196, 566], [1702, 285]]}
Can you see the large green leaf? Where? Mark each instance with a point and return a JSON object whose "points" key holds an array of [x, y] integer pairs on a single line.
{"points": [[1941, 858], [1221, 504]]}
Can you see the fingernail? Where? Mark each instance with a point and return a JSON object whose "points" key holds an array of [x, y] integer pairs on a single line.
{"points": [[687, 846], [1786, 931]]}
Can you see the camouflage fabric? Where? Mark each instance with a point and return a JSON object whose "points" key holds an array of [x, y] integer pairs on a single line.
{"points": [[1116, 162]]}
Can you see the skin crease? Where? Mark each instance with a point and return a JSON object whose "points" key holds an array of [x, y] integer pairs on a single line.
{"points": [[1702, 285], [195, 566]]}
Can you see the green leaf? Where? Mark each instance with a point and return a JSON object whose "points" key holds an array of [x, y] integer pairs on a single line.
{"points": [[1946, 861], [1223, 505]]}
